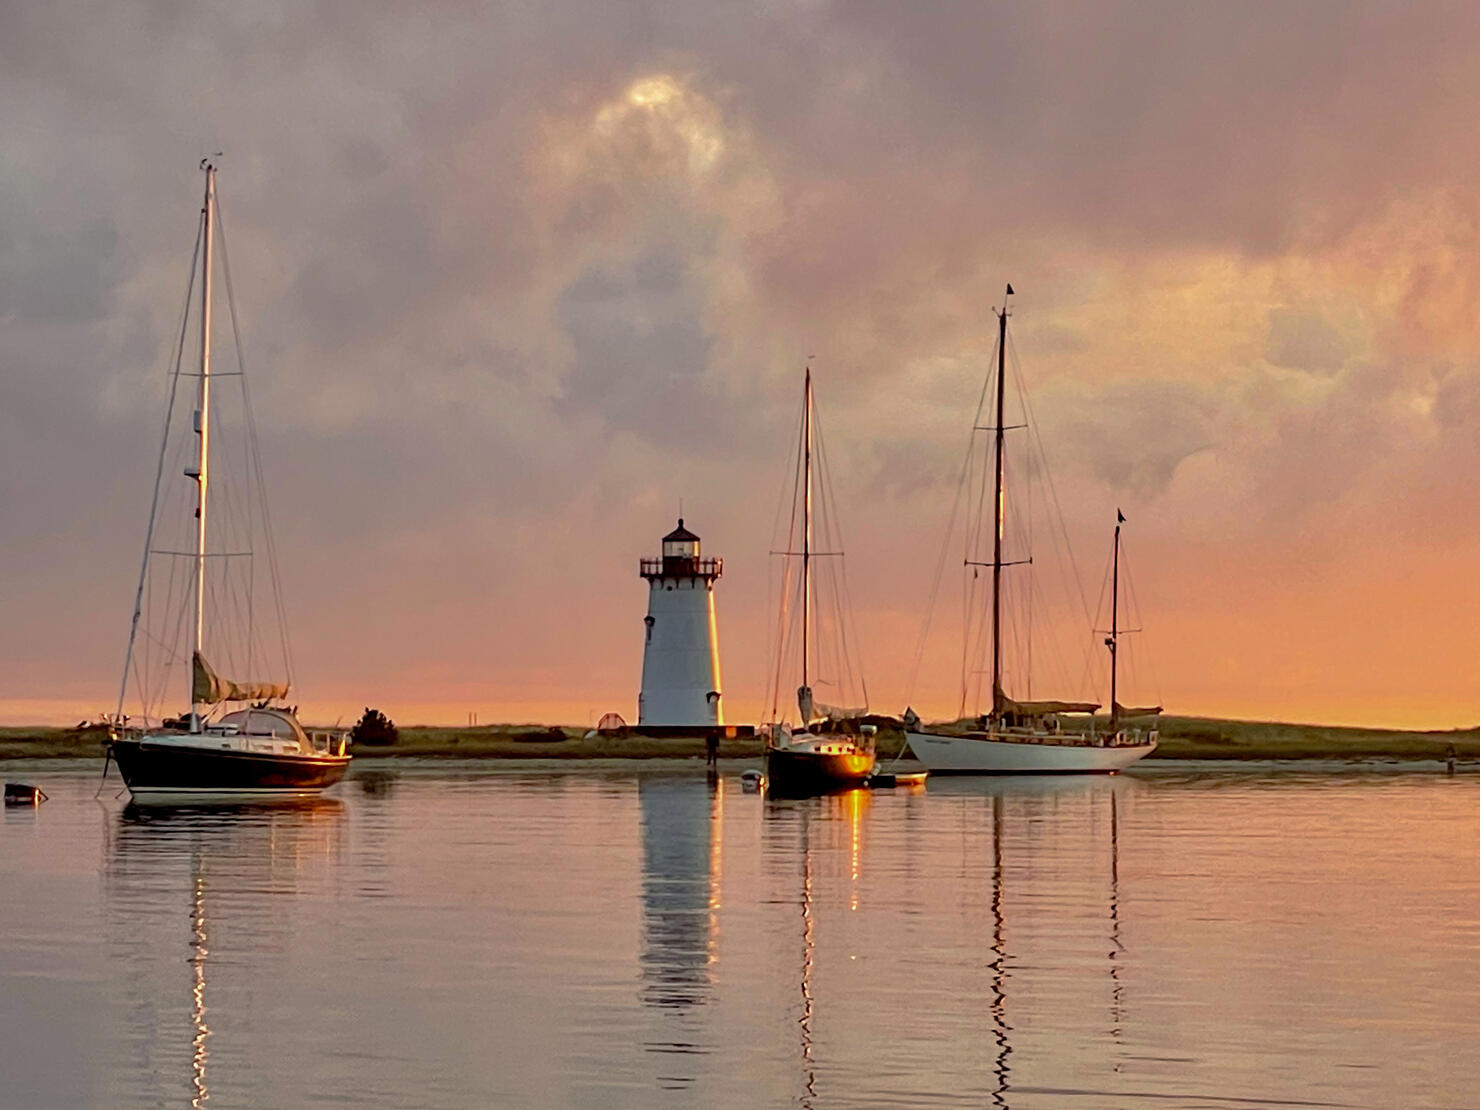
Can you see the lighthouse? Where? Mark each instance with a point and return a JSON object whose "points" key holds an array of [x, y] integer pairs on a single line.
{"points": [[680, 654]]}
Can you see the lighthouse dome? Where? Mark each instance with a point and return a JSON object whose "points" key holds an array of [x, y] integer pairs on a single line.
{"points": [[680, 543]]}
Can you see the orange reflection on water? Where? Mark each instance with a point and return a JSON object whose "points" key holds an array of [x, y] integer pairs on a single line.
{"points": [[853, 805], [716, 862]]}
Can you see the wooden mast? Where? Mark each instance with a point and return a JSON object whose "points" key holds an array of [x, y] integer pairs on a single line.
{"points": [[997, 514], [1113, 643]]}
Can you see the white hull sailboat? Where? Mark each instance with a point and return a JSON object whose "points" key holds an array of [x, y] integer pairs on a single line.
{"points": [[1026, 752], [238, 740], [1031, 737]]}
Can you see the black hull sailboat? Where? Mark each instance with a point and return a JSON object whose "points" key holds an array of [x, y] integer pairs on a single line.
{"points": [[174, 772], [259, 750], [828, 752], [799, 771]]}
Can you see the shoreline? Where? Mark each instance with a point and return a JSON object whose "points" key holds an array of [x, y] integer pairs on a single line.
{"points": [[1182, 739]]}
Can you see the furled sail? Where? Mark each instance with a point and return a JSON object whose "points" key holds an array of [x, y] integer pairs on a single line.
{"points": [[1005, 705], [813, 710], [207, 687], [1137, 710]]}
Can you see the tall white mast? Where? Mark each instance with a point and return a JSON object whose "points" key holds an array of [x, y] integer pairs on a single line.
{"points": [[203, 430], [806, 525]]}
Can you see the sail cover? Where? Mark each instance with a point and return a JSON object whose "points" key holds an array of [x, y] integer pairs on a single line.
{"points": [[1041, 708], [207, 687], [1137, 710], [813, 710]]}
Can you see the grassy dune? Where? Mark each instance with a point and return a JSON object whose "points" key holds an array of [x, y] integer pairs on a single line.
{"points": [[1209, 738], [52, 743], [1181, 738]]}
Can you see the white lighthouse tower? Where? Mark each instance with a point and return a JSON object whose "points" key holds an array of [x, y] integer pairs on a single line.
{"points": [[680, 655]]}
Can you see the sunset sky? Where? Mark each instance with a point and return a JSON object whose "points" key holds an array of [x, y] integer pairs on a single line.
{"points": [[516, 279]]}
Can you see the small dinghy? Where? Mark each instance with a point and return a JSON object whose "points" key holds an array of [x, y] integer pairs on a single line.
{"points": [[19, 794], [752, 781], [885, 780]]}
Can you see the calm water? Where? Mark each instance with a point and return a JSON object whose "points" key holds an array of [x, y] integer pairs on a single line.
{"points": [[452, 936]]}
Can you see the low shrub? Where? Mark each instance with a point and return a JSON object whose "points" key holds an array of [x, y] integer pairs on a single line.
{"points": [[375, 728]]}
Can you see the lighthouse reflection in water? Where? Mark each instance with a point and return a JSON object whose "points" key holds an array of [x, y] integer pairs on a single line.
{"points": [[682, 870]]}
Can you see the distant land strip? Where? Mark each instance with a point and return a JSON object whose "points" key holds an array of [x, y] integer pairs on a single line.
{"points": [[1181, 738]]}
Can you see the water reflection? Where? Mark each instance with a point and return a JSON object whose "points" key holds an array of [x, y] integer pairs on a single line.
{"points": [[681, 844], [1117, 949], [998, 964], [199, 859], [1031, 878], [682, 821], [1024, 812], [198, 993], [809, 951], [830, 827], [1137, 943]]}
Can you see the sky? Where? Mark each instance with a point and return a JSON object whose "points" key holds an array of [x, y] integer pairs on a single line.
{"points": [[517, 280]]}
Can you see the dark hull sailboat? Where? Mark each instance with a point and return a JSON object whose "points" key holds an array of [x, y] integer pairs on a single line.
{"points": [[827, 752], [261, 751], [802, 770], [174, 771]]}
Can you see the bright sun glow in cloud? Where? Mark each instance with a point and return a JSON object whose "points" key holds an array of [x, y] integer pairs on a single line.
{"points": [[661, 117]]}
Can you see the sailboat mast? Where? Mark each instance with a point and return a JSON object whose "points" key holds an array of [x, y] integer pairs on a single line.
{"points": [[1114, 641], [203, 430], [997, 514], [806, 525]]}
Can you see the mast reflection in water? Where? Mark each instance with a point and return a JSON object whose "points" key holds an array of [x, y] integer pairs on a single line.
{"points": [[198, 859], [1025, 817], [826, 828]]}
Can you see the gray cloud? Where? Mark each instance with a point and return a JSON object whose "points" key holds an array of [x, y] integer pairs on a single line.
{"points": [[1305, 341]]}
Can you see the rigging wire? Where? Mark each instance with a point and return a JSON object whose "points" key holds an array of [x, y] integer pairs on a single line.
{"points": [[1136, 617], [1059, 536], [837, 575], [784, 608], [159, 469], [1032, 422], [255, 452], [940, 567]]}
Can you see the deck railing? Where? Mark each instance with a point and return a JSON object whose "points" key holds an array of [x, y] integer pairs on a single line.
{"points": [[679, 567]]}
